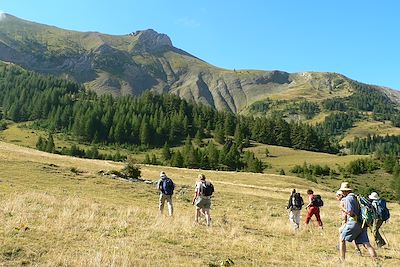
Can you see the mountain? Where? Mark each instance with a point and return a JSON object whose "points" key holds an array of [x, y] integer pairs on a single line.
{"points": [[147, 60]]}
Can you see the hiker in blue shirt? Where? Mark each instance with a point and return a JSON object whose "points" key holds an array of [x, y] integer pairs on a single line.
{"points": [[353, 229], [166, 187]]}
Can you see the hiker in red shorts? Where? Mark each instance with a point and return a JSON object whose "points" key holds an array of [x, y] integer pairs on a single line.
{"points": [[312, 209]]}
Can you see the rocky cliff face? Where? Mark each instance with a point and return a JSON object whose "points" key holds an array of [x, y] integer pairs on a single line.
{"points": [[147, 60]]}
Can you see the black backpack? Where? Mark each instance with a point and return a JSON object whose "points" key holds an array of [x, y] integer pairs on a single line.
{"points": [[317, 201], [297, 201], [167, 186], [207, 189]]}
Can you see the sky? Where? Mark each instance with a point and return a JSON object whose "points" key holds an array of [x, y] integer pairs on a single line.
{"points": [[357, 38]]}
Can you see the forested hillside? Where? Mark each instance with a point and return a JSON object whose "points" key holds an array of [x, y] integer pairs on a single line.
{"points": [[145, 121]]}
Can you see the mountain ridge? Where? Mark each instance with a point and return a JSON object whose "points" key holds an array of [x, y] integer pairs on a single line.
{"points": [[146, 60]]}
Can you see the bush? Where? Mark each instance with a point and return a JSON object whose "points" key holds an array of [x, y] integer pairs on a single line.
{"points": [[361, 166], [131, 169]]}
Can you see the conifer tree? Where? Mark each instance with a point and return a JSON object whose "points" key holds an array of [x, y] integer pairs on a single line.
{"points": [[50, 147]]}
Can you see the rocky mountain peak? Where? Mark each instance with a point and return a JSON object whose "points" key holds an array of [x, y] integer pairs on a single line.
{"points": [[150, 40]]}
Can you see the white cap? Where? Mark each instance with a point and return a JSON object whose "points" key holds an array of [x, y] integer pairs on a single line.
{"points": [[374, 196]]}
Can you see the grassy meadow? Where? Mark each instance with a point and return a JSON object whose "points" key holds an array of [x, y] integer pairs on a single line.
{"points": [[58, 211]]}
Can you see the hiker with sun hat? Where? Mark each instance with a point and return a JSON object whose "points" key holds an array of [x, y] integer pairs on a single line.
{"points": [[353, 229]]}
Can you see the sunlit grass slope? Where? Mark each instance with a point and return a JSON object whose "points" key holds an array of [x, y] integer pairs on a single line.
{"points": [[51, 216]]}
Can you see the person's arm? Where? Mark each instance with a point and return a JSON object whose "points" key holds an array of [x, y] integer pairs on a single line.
{"points": [[195, 194], [159, 185], [309, 202], [289, 203]]}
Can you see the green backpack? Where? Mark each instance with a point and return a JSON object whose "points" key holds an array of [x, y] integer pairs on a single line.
{"points": [[367, 212]]}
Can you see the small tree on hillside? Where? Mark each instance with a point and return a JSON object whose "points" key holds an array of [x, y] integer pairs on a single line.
{"points": [[131, 169]]}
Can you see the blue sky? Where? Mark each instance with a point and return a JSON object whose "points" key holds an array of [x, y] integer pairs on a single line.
{"points": [[357, 38]]}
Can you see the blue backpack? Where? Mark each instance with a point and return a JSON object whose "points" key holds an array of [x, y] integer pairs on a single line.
{"points": [[167, 186], [382, 212]]}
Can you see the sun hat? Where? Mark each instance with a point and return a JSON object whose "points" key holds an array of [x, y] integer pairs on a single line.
{"points": [[374, 196], [345, 187]]}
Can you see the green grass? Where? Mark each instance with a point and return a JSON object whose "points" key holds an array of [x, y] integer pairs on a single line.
{"points": [[22, 134], [279, 157], [363, 128], [285, 158]]}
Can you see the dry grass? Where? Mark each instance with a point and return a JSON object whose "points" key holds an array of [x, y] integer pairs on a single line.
{"points": [[363, 128], [53, 217], [285, 158]]}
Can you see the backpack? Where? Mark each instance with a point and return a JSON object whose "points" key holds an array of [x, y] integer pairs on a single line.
{"points": [[297, 202], [382, 212], [207, 189], [367, 212], [167, 186], [317, 201]]}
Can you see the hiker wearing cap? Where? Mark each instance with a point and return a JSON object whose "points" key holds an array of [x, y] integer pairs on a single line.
{"points": [[353, 229], [313, 209], [295, 204], [202, 199], [166, 187], [381, 215]]}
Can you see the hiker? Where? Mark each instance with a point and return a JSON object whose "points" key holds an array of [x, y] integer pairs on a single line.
{"points": [[294, 205], [343, 218], [381, 215], [166, 187], [314, 203], [202, 198], [353, 229]]}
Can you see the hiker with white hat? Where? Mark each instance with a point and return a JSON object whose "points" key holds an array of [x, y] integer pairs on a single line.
{"points": [[382, 215], [166, 187], [353, 229]]}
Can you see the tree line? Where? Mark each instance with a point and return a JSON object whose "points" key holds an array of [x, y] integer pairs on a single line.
{"points": [[149, 120]]}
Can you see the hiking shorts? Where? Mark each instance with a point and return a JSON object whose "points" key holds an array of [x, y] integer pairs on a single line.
{"points": [[203, 203], [353, 231]]}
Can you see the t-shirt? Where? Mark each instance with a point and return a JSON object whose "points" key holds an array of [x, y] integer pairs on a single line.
{"points": [[198, 188], [351, 205]]}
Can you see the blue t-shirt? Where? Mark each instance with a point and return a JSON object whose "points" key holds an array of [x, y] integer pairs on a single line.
{"points": [[351, 204], [352, 230]]}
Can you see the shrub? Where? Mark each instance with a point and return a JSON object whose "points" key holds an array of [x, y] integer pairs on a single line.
{"points": [[131, 169]]}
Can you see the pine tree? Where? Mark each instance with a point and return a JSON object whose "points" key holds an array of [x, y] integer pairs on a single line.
{"points": [[177, 159], [40, 144], [50, 147], [166, 152]]}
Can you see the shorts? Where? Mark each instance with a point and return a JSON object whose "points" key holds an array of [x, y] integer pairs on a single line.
{"points": [[353, 231], [203, 203]]}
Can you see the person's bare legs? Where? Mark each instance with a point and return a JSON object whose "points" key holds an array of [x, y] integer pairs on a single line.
{"points": [[357, 248], [371, 251], [208, 216], [197, 215], [342, 250]]}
